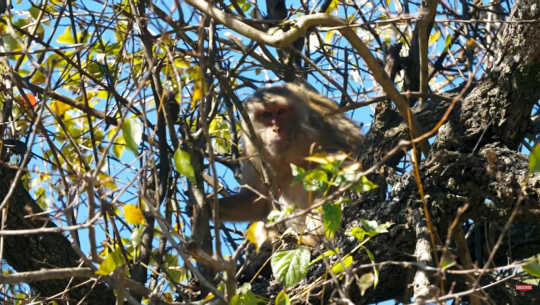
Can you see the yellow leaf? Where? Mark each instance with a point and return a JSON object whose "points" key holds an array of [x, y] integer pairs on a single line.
{"points": [[178, 226], [326, 158], [209, 296], [471, 44], [328, 37], [198, 89], [59, 108], [434, 37], [257, 234], [338, 267], [365, 282], [133, 214], [109, 264], [333, 6]]}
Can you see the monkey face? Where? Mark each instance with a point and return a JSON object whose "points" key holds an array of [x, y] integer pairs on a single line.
{"points": [[274, 121]]}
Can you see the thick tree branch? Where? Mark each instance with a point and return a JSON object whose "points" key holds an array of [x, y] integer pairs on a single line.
{"points": [[285, 39]]}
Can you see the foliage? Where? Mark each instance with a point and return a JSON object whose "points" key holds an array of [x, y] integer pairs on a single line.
{"points": [[82, 81]]}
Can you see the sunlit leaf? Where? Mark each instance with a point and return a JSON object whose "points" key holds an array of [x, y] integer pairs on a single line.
{"points": [[365, 281], [119, 145], [132, 132], [67, 37], [315, 180], [298, 173], [182, 162], [434, 37], [373, 228], [325, 254], [257, 234], [290, 267], [133, 214], [198, 89], [359, 233], [338, 267], [282, 299], [333, 6], [533, 268], [109, 264], [325, 158], [447, 42], [60, 108], [364, 185], [244, 296]]}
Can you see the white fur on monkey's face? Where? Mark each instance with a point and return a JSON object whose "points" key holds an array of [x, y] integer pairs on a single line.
{"points": [[275, 121]]}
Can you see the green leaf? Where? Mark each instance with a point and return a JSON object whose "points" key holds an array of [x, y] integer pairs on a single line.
{"points": [[67, 37], [119, 146], [534, 159], [359, 233], [338, 267], [365, 282], [333, 6], [364, 185], [315, 180], [447, 42], [244, 288], [298, 173], [331, 219], [533, 268], [235, 300], [291, 266], [434, 37], [109, 264], [11, 44], [325, 254], [182, 162], [375, 270], [249, 298], [132, 132], [447, 261], [244, 297], [282, 299], [373, 228]]}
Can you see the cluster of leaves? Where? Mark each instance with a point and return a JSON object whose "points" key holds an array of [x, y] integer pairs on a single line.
{"points": [[333, 171]]}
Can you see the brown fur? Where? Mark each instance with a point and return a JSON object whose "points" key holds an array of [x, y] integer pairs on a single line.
{"points": [[286, 139]]}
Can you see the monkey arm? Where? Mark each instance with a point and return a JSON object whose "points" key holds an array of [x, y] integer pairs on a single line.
{"points": [[244, 206]]}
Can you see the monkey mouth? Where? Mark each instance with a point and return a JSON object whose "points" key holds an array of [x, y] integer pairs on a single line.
{"points": [[278, 145]]}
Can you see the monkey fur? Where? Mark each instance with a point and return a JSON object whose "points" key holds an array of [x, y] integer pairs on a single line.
{"points": [[287, 120]]}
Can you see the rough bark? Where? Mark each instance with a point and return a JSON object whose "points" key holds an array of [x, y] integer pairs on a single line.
{"points": [[474, 161], [44, 251]]}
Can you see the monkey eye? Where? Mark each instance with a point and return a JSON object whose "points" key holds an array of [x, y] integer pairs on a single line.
{"points": [[281, 111], [267, 114]]}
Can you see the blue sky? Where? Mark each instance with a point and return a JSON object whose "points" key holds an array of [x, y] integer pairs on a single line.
{"points": [[362, 116]]}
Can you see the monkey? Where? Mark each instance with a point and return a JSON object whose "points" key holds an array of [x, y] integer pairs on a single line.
{"points": [[287, 120]]}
